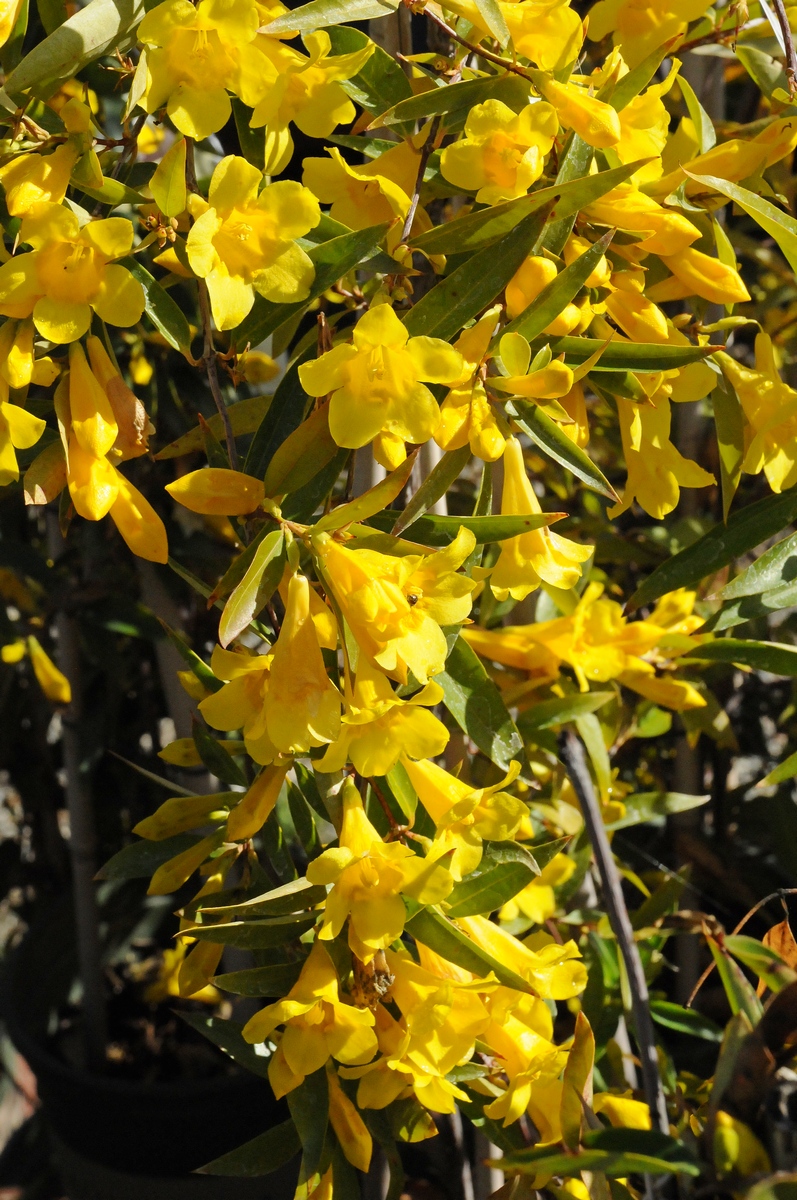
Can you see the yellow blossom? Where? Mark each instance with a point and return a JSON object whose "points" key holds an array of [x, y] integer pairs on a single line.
{"points": [[644, 128], [553, 971], [52, 682], [466, 415], [537, 900], [19, 430], [707, 277], [534, 274], [369, 879], [379, 727], [465, 816], [502, 153], [539, 555], [640, 26], [520, 1035], [241, 703], [770, 407], [318, 1025], [595, 122], [547, 32], [625, 207], [637, 316], [217, 491], [656, 468], [9, 15], [194, 56], [395, 605], [350, 1129], [133, 425], [33, 179], [243, 242], [370, 194], [69, 273], [376, 385]]}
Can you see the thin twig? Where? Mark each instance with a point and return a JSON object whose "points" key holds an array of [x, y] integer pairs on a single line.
{"points": [[571, 752], [208, 349], [779, 894], [426, 151], [788, 42], [505, 63]]}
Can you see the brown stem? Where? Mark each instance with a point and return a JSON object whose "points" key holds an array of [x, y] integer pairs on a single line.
{"points": [[505, 63], [788, 42], [571, 752], [428, 146]]}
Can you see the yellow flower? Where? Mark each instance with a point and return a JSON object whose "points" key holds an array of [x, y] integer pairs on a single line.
{"points": [[350, 1129], [707, 277], [595, 122], [520, 1035], [69, 273], [641, 27], [137, 521], [623, 1111], [656, 469], [552, 971], [466, 414], [644, 128], [369, 877], [465, 816], [9, 15], [193, 56], [575, 406], [770, 407], [376, 385], [241, 703], [303, 702], [304, 90], [637, 316], [534, 274], [52, 682], [318, 1025], [539, 555], [395, 606], [19, 430], [217, 491], [664, 231], [366, 195], [537, 900], [379, 727], [133, 425], [242, 242], [502, 153], [547, 32], [736, 1149], [33, 179]]}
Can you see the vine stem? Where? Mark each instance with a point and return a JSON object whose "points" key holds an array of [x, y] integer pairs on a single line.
{"points": [[571, 752], [505, 63], [208, 349], [428, 146], [788, 43]]}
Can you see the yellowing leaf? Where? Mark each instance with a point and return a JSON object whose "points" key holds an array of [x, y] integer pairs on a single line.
{"points": [[168, 183]]}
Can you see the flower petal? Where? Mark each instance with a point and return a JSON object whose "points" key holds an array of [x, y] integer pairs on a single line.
{"points": [[234, 184], [120, 300], [198, 113], [59, 321]]}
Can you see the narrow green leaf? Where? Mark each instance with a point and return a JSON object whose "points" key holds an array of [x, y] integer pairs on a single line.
{"points": [[766, 962], [746, 529], [549, 713], [477, 706], [436, 484], [629, 87], [296, 896], [738, 990], [381, 83], [777, 223], [458, 297], [254, 935], [493, 18], [644, 806], [284, 414], [441, 935], [776, 567], [774, 657], [142, 859], [192, 660], [729, 424], [550, 438], [52, 13], [168, 182], [575, 163], [479, 229], [704, 126], [255, 589], [252, 141], [268, 982], [487, 890], [309, 1107], [112, 192], [217, 761], [321, 13], [161, 308], [432, 530], [260, 1156], [332, 259], [623, 356], [458, 97], [783, 771], [751, 608], [228, 1037], [684, 1020], [611, 1163], [559, 292], [371, 502], [245, 417]]}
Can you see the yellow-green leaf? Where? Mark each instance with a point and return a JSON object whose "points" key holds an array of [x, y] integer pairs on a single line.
{"points": [[168, 183]]}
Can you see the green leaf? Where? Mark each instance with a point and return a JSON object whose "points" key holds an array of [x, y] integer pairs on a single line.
{"points": [[479, 229], [729, 424], [559, 292], [751, 608], [505, 869], [97, 29], [611, 1163], [113, 192], [161, 308], [321, 13], [302, 504], [746, 529], [765, 71], [777, 566], [309, 1107], [577, 1083], [783, 771], [549, 713], [255, 935], [269, 982], [285, 414], [52, 13], [628, 88], [332, 259], [684, 1020], [575, 163], [704, 127], [777, 223], [623, 356], [252, 141], [783, 1185], [644, 806], [168, 182], [296, 896], [553, 441], [775, 657], [381, 83], [217, 761], [142, 859], [370, 502], [740, 994], [228, 1037], [245, 417], [192, 660], [432, 530], [766, 962], [255, 589], [441, 935], [458, 297], [458, 97], [436, 484], [302, 455], [491, 14], [477, 706], [260, 1156]]}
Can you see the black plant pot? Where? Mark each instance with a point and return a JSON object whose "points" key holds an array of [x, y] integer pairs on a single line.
{"points": [[108, 1129]]}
